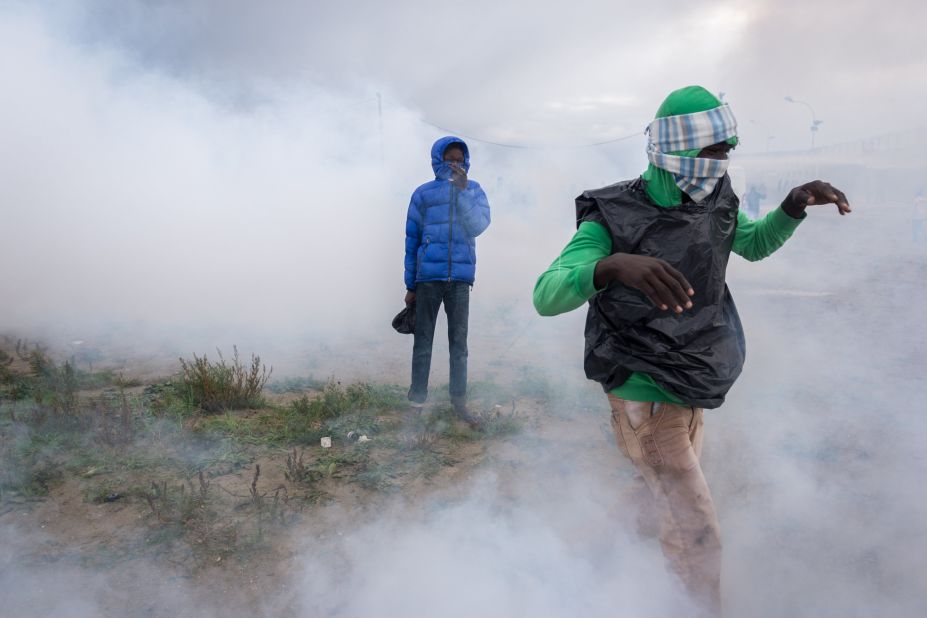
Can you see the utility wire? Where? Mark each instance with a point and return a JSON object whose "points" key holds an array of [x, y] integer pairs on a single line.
{"points": [[473, 138], [532, 146]]}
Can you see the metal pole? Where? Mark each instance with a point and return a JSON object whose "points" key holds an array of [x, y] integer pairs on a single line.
{"points": [[814, 120]]}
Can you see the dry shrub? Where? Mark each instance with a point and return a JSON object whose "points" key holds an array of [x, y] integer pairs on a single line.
{"points": [[190, 510], [297, 471], [217, 386], [115, 421]]}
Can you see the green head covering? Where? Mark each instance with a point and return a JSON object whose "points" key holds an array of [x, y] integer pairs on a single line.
{"points": [[660, 185]]}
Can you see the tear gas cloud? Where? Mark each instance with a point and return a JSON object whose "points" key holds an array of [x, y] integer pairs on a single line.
{"points": [[203, 176], [139, 202]]}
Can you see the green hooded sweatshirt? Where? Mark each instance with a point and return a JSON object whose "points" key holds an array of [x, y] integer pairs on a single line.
{"points": [[661, 186], [568, 283]]}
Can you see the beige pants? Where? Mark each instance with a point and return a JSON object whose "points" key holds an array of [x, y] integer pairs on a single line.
{"points": [[664, 441]]}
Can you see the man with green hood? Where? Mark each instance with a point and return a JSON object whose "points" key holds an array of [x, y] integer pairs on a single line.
{"points": [[662, 334]]}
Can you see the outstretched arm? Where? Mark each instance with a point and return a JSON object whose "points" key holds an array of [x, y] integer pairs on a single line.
{"points": [[755, 240], [760, 238]]}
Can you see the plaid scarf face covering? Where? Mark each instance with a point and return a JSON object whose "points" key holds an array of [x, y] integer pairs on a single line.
{"points": [[695, 176]]}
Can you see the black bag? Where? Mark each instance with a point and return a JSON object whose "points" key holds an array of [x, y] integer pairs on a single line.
{"points": [[696, 355], [404, 322]]}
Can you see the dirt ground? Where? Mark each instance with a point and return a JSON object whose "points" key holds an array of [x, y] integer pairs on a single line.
{"points": [[100, 523]]}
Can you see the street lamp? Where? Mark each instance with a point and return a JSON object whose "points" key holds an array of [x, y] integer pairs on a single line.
{"points": [[814, 121]]}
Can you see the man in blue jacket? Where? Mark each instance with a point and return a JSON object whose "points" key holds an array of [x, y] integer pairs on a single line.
{"points": [[445, 217]]}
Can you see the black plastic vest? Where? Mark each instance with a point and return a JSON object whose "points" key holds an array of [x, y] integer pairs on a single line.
{"points": [[696, 355]]}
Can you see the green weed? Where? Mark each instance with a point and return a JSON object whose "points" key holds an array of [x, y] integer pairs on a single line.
{"points": [[217, 386], [336, 400], [28, 464], [295, 385], [376, 477]]}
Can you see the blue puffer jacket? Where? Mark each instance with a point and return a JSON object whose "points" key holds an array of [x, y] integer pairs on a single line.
{"points": [[443, 224]]}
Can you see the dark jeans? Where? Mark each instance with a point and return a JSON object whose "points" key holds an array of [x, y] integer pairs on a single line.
{"points": [[428, 298]]}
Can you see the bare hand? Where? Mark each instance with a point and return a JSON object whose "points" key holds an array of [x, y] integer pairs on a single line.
{"points": [[458, 175], [410, 298], [664, 285], [814, 193]]}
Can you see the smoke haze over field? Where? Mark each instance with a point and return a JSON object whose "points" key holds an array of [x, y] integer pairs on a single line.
{"points": [[178, 166], [209, 173]]}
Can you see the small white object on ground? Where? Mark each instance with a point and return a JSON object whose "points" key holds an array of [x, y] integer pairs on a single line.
{"points": [[363, 439], [327, 442]]}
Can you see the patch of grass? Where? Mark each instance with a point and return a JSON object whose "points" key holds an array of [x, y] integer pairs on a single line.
{"points": [[361, 423], [245, 429], [217, 386], [29, 465], [166, 400], [336, 410], [425, 462], [280, 426], [221, 456], [30, 478], [97, 379], [341, 463], [377, 477], [295, 385], [336, 400], [419, 455], [54, 386], [10, 385], [46, 382], [499, 423]]}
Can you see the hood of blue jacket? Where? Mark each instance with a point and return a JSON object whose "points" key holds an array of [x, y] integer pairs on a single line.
{"points": [[442, 170]]}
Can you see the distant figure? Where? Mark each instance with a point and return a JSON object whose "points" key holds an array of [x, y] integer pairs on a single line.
{"points": [[919, 216], [445, 217], [752, 199], [662, 333]]}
